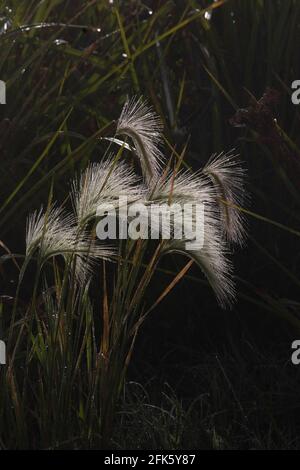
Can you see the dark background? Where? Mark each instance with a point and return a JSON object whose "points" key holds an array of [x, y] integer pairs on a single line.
{"points": [[228, 78]]}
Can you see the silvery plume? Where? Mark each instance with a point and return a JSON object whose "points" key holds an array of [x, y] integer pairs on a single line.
{"points": [[102, 183], [227, 176], [139, 122], [54, 233]]}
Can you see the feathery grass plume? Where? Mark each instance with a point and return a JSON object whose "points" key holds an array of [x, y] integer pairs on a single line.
{"points": [[139, 122], [100, 183], [212, 257], [227, 175], [54, 233], [87, 254], [51, 232], [213, 261], [183, 186]]}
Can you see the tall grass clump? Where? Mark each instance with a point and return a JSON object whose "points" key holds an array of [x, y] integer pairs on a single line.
{"points": [[70, 346], [71, 324]]}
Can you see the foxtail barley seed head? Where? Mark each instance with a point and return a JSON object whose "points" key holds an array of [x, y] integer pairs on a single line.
{"points": [[212, 257], [51, 233], [139, 122], [227, 176], [103, 183], [54, 233]]}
